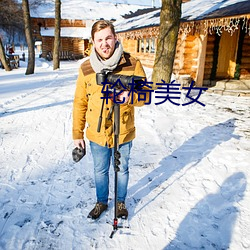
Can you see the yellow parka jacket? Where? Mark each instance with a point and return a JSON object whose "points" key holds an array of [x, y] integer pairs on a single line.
{"points": [[87, 105]]}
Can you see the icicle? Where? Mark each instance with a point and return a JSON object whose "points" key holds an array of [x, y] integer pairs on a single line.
{"points": [[206, 27]]}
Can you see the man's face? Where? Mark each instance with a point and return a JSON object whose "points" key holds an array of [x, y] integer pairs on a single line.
{"points": [[104, 42]]}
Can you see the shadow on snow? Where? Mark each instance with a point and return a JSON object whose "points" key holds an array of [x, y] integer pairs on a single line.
{"points": [[191, 152], [209, 215], [23, 110], [209, 225]]}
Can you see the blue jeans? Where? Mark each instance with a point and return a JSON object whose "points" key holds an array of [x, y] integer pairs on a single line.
{"points": [[102, 158]]}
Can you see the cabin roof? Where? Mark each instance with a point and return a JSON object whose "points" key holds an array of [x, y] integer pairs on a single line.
{"points": [[193, 10]]}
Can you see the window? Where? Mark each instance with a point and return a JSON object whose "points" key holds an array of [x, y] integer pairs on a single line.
{"points": [[146, 45]]}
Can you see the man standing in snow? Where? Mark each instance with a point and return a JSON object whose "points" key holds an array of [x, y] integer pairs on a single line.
{"points": [[107, 54]]}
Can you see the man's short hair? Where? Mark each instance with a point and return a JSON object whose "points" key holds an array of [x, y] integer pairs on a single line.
{"points": [[101, 24]]}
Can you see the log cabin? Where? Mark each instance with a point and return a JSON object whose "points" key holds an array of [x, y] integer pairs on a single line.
{"points": [[213, 41], [74, 37], [77, 17]]}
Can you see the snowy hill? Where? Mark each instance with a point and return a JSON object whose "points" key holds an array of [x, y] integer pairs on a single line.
{"points": [[86, 10]]}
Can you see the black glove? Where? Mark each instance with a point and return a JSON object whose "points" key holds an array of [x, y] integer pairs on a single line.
{"points": [[78, 153]]}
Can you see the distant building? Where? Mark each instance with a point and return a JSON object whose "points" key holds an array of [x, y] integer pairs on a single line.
{"points": [[77, 19]]}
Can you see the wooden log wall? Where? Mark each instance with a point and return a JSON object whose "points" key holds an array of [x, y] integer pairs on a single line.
{"points": [[131, 46], [209, 57], [185, 62], [186, 55], [66, 44], [50, 22], [245, 60], [190, 56], [146, 59], [178, 61], [79, 46], [73, 45], [47, 45]]}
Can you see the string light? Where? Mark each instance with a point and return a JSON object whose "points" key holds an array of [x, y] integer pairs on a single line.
{"points": [[218, 25]]}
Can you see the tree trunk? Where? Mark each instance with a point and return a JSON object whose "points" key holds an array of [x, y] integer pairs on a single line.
{"points": [[29, 38], [168, 34], [56, 59], [3, 57]]}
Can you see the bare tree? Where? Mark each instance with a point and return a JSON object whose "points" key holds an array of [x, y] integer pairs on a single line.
{"points": [[56, 59], [3, 57], [11, 24], [28, 33], [11, 17], [168, 34]]}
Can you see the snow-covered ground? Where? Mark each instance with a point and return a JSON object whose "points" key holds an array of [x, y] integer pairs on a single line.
{"points": [[189, 171]]}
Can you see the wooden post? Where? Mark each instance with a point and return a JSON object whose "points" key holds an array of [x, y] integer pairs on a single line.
{"points": [[201, 60]]}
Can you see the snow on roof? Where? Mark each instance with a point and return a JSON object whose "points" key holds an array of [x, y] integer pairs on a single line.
{"points": [[79, 32], [192, 10], [145, 20], [197, 9], [85, 10]]}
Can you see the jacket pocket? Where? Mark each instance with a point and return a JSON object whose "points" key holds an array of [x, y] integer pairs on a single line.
{"points": [[127, 119]]}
